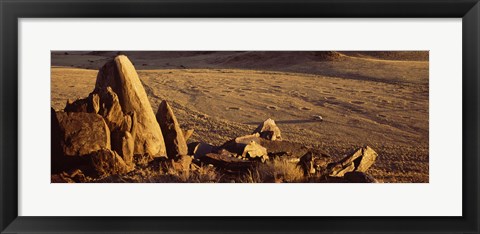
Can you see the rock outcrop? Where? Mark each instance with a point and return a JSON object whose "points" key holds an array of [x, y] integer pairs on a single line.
{"points": [[173, 135], [359, 161], [123, 79], [82, 133], [269, 130]]}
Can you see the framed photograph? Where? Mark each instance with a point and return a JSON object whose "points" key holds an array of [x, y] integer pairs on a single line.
{"points": [[227, 116]]}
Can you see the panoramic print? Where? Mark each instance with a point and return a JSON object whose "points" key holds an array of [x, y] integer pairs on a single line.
{"points": [[239, 116]]}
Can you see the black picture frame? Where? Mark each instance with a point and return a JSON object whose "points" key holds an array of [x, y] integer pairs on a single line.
{"points": [[11, 11]]}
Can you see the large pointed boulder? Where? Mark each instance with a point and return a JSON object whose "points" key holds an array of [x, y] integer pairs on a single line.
{"points": [[121, 76], [173, 134]]}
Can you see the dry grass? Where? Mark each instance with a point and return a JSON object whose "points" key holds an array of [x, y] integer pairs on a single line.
{"points": [[275, 171], [152, 174], [203, 174]]}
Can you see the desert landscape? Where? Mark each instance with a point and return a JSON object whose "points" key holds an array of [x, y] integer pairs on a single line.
{"points": [[240, 116]]}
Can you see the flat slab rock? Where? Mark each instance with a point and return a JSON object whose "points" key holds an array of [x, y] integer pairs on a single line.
{"points": [[82, 133], [223, 160], [274, 148]]}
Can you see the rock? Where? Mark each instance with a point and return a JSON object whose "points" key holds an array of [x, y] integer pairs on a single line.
{"points": [[307, 163], [121, 76], [269, 130], [77, 175], [247, 146], [274, 148], [174, 140], [359, 177], [111, 110], [181, 163], [187, 134], [333, 179], [249, 138], [57, 164], [317, 118], [340, 170], [95, 102], [200, 149], [106, 103], [74, 176], [365, 158], [320, 164], [79, 105], [224, 161], [238, 144], [82, 133], [360, 160], [89, 104], [60, 178], [108, 162], [194, 167], [254, 150], [123, 144]]}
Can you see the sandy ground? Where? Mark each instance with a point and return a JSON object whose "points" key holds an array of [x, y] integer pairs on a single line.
{"points": [[363, 100]]}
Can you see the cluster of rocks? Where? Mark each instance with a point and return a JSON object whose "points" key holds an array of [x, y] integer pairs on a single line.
{"points": [[114, 130], [103, 133]]}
